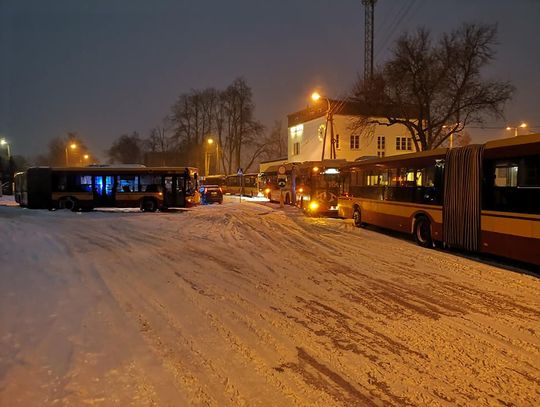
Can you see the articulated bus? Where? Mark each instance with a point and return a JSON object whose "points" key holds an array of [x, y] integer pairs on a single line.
{"points": [[483, 198], [218, 180], [85, 188], [246, 184]]}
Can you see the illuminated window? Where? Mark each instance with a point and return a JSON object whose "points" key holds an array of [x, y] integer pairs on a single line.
{"points": [[506, 175], [321, 130], [297, 131], [127, 183]]}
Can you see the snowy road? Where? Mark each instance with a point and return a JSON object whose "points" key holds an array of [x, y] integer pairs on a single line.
{"points": [[245, 304]]}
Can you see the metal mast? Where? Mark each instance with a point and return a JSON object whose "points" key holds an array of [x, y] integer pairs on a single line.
{"points": [[368, 40]]}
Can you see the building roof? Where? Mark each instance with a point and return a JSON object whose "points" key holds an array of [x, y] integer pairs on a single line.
{"points": [[338, 107]]}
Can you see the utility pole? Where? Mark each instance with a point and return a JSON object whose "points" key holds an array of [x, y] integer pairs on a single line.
{"points": [[369, 6]]}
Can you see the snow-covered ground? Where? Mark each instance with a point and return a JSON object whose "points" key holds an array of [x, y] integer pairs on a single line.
{"points": [[248, 304]]}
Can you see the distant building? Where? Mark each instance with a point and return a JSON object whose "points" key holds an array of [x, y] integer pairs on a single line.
{"points": [[306, 133]]}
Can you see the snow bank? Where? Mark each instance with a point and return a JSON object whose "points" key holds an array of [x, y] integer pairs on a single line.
{"points": [[246, 304]]}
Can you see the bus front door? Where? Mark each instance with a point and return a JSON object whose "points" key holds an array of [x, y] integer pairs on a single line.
{"points": [[104, 190]]}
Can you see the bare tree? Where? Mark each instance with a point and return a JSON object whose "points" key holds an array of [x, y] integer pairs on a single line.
{"points": [[425, 86], [159, 139], [225, 115], [242, 132], [60, 154], [276, 142], [126, 149], [192, 118]]}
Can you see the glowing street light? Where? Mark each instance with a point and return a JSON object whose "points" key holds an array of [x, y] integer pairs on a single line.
{"points": [[4, 142], [522, 126], [72, 146], [316, 96], [209, 143]]}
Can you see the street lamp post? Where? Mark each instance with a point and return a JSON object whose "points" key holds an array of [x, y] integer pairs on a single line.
{"points": [[522, 126], [4, 142], [315, 96], [72, 146], [209, 143]]}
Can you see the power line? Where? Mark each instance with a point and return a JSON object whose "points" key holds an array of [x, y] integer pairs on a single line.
{"points": [[397, 21]]}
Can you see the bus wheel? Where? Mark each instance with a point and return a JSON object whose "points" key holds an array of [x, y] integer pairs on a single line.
{"points": [[67, 203], [357, 218], [422, 232], [75, 206], [149, 205]]}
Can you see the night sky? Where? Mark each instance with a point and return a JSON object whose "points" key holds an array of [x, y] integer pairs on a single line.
{"points": [[105, 68]]}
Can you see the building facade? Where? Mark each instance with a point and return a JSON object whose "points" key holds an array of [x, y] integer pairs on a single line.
{"points": [[306, 130]]}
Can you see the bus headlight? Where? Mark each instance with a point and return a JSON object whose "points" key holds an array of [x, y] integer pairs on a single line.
{"points": [[313, 206]]}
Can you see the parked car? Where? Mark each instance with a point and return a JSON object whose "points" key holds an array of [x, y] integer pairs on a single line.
{"points": [[211, 194]]}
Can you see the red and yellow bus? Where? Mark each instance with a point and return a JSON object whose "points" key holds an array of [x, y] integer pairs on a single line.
{"points": [[85, 188], [483, 198], [316, 185]]}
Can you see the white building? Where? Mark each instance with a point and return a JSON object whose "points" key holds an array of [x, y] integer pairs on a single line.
{"points": [[306, 134]]}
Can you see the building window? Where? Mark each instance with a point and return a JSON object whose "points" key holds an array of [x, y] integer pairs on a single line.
{"points": [[355, 142], [296, 148], [403, 143], [297, 131], [336, 141], [380, 153], [381, 143], [320, 132]]}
